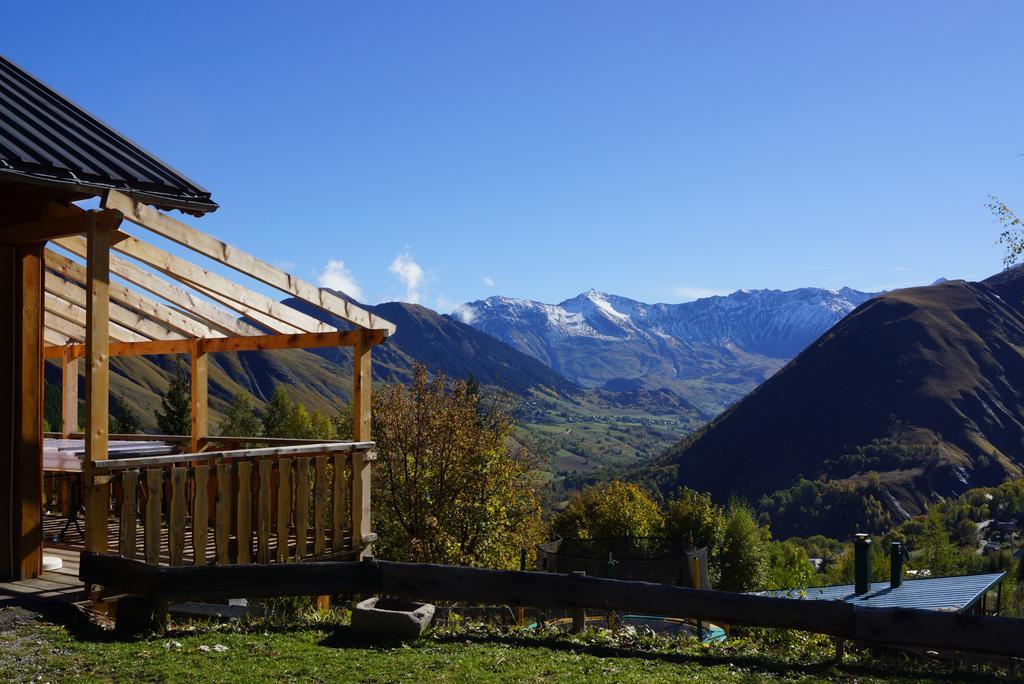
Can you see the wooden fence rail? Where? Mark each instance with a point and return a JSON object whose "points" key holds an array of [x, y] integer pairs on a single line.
{"points": [[883, 626]]}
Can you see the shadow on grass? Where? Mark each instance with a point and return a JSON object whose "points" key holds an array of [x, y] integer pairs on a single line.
{"points": [[885, 665], [342, 636]]}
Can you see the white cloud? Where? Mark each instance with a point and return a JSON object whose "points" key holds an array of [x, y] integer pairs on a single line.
{"points": [[488, 281], [688, 294], [463, 312], [410, 274], [286, 265], [337, 277]]}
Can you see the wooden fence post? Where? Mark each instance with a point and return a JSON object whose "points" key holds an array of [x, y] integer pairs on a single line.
{"points": [[579, 615]]}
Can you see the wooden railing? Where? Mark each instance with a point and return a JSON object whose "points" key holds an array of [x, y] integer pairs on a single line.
{"points": [[271, 504]]}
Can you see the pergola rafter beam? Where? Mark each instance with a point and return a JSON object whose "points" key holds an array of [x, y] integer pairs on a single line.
{"points": [[165, 315], [55, 339], [187, 273], [72, 313], [70, 292], [62, 326], [268, 322], [211, 315], [222, 252]]}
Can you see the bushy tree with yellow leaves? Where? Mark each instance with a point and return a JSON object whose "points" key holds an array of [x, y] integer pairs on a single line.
{"points": [[447, 486]]}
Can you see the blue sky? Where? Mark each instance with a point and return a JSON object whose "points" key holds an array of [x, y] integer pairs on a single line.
{"points": [[444, 152]]}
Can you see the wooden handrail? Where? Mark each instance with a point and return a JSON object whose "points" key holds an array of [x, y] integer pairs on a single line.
{"points": [[234, 454], [148, 437], [124, 437], [280, 441], [217, 439]]}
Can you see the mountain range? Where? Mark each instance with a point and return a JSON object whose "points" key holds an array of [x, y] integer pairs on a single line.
{"points": [[914, 396], [322, 379], [710, 351], [629, 379]]}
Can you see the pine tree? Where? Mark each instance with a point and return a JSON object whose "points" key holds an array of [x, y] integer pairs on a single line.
{"points": [[938, 554], [241, 419], [299, 423], [342, 422], [121, 418], [744, 550], [175, 414], [279, 411]]}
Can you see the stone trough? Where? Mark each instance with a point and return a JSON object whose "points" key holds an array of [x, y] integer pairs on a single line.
{"points": [[383, 619]]}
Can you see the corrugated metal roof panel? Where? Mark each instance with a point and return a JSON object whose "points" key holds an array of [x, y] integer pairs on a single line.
{"points": [[47, 139], [933, 593]]}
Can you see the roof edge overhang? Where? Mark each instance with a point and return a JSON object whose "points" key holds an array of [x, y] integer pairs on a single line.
{"points": [[198, 206]]}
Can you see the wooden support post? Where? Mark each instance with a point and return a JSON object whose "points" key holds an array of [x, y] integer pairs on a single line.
{"points": [[200, 388], [362, 388], [579, 615], [69, 394], [97, 385], [26, 483]]}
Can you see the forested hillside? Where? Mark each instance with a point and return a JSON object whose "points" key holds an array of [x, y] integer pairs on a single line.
{"points": [[914, 396]]}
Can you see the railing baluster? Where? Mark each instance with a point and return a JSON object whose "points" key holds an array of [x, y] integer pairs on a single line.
{"points": [[301, 506], [284, 506], [244, 512], [200, 514], [154, 505], [176, 516], [222, 527], [319, 503], [129, 511], [360, 500], [264, 513], [338, 505]]}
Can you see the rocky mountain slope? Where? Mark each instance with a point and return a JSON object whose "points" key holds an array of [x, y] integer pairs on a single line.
{"points": [[711, 351], [915, 395]]}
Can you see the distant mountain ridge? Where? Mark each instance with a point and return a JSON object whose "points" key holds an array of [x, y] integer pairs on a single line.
{"points": [[711, 351], [444, 343]]}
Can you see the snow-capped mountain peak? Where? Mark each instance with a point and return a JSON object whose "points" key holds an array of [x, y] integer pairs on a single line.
{"points": [[596, 337]]}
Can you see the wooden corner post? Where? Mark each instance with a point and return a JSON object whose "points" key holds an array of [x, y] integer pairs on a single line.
{"points": [[97, 385], [200, 390], [69, 393], [362, 388], [26, 483]]}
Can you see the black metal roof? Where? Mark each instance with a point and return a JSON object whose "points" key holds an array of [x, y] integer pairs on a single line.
{"points": [[47, 139], [933, 593]]}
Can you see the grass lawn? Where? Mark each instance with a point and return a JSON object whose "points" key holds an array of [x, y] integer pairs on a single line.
{"points": [[322, 649]]}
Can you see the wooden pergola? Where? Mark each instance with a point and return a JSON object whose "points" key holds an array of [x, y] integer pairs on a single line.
{"points": [[82, 285], [89, 316]]}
